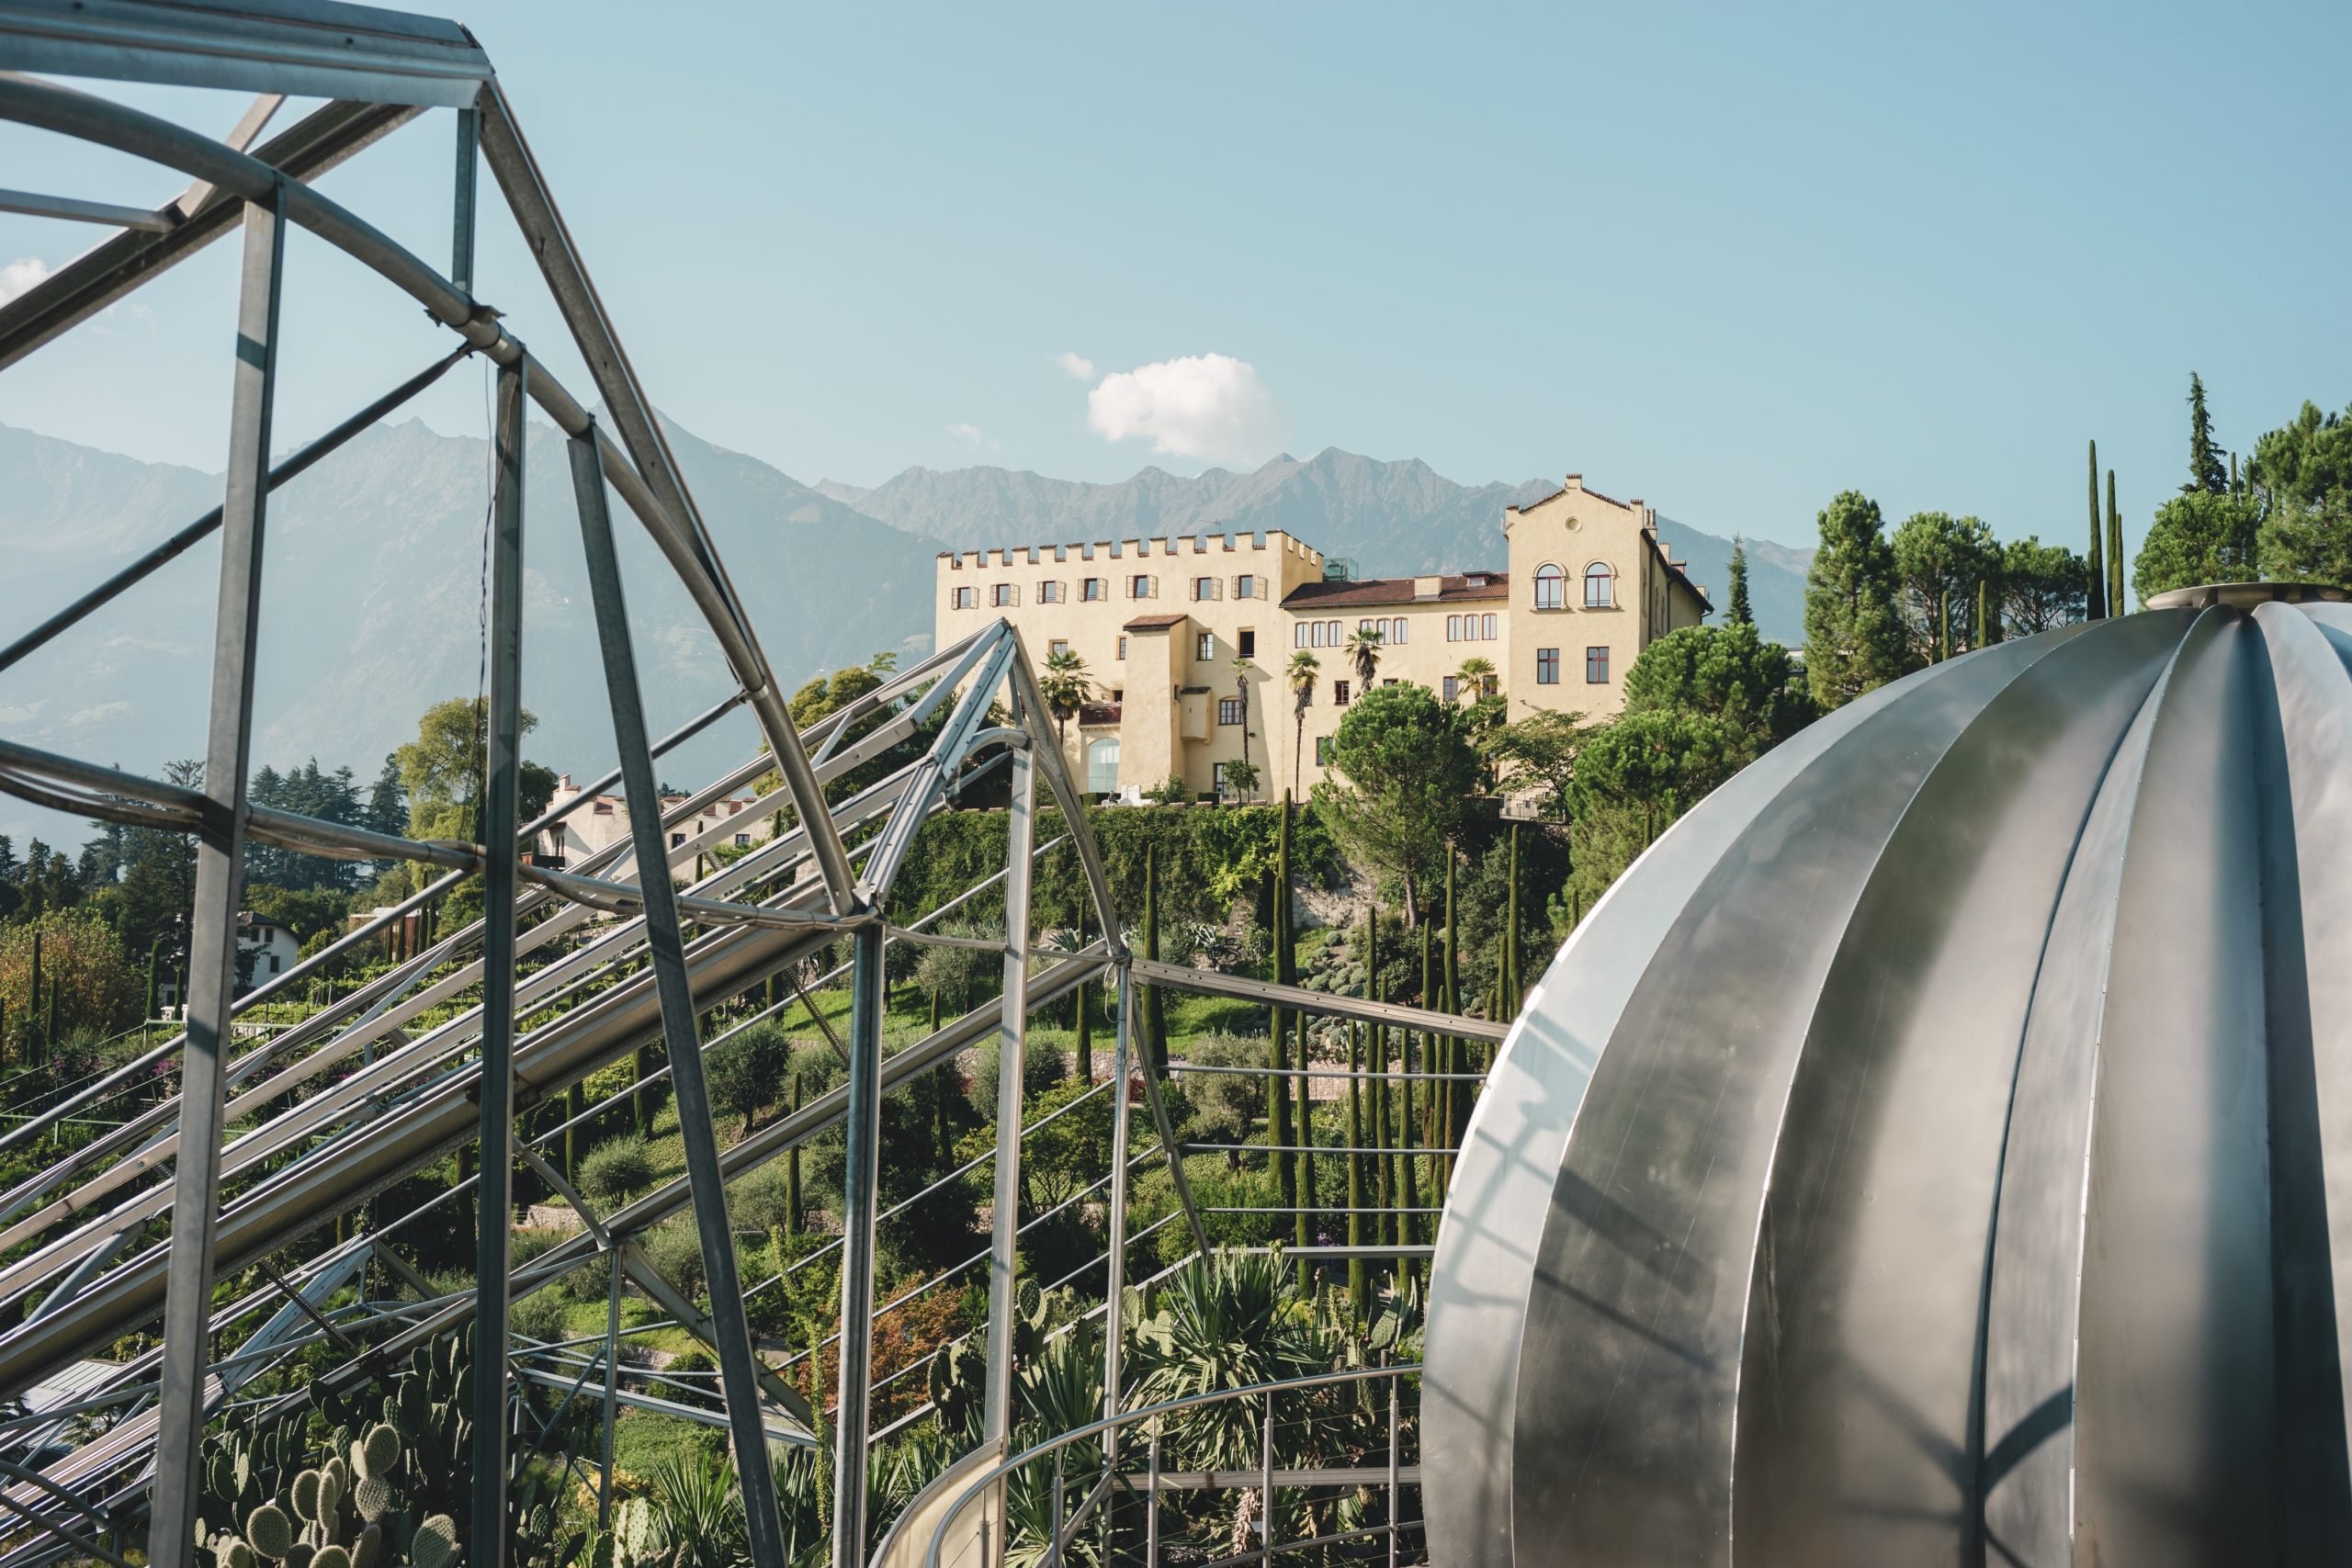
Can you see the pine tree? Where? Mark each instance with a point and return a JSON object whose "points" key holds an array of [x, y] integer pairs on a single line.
{"points": [[1853, 632], [2205, 470], [2116, 603], [2095, 588], [1738, 613]]}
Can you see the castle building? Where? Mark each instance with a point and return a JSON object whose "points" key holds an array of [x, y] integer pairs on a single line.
{"points": [[1189, 642]]}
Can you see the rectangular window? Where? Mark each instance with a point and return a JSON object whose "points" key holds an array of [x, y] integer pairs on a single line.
{"points": [[1245, 588], [677, 840], [1596, 666], [743, 841], [1122, 648], [1217, 777], [1049, 592], [1453, 628], [1206, 588], [1339, 694], [1204, 647], [1140, 586], [1322, 751], [1057, 648], [1003, 596], [1486, 629], [1298, 630], [1547, 666], [1453, 687], [967, 598], [1248, 643], [1396, 631], [1094, 588], [1229, 710], [1119, 694]]}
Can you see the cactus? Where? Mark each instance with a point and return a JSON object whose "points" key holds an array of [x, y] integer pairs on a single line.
{"points": [[369, 1546], [306, 1495], [435, 1544], [331, 1557], [270, 1531], [375, 1455]]}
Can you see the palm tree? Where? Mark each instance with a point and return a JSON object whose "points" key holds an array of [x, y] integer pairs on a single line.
{"points": [[1364, 652], [1476, 677], [1065, 687], [1300, 673], [1242, 670]]}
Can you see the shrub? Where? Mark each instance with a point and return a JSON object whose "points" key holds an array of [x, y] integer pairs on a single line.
{"points": [[747, 1074], [539, 1315], [617, 1170]]}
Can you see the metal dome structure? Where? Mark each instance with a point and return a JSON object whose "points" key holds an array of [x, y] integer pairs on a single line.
{"points": [[1939, 1147]]}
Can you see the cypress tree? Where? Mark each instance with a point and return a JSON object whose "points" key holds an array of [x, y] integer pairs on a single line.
{"points": [[4, 1033], [2095, 588], [1409, 1196], [1988, 624], [1943, 625], [1281, 1163], [792, 1215], [1739, 614], [1085, 1043], [1154, 1011], [1514, 990], [575, 1105], [641, 1101], [1457, 1099], [1303, 1229], [2116, 603], [33, 1042], [48, 1025], [1358, 1286], [934, 1012]]}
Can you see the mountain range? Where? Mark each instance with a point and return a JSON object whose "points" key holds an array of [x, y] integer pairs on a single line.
{"points": [[374, 572]]}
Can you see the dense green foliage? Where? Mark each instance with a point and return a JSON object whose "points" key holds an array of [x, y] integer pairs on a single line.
{"points": [[1853, 631], [1406, 770]]}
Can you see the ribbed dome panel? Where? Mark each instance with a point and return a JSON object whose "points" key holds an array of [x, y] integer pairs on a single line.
{"points": [[1939, 1148]]}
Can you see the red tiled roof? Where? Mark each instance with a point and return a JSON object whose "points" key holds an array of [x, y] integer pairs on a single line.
{"points": [[1452, 588], [1154, 622]]}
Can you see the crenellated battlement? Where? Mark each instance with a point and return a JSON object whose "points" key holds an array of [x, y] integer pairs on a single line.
{"points": [[1271, 541]]}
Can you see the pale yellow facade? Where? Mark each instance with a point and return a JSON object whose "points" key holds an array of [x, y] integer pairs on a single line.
{"points": [[1189, 641]]}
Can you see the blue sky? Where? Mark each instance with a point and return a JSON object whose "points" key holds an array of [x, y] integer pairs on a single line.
{"points": [[1731, 260]]}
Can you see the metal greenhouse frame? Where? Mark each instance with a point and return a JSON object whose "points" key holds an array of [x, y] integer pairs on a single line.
{"points": [[570, 969]]}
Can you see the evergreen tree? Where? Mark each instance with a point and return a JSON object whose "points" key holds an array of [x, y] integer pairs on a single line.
{"points": [[2095, 578], [1853, 633], [2116, 603], [1739, 613], [2206, 471], [2197, 538]]}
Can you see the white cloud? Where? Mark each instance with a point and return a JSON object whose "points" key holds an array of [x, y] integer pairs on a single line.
{"points": [[1077, 365], [972, 437], [1203, 405], [21, 277]]}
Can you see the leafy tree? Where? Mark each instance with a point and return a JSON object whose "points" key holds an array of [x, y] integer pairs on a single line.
{"points": [[442, 770], [1938, 562], [2206, 471], [1729, 673], [1738, 613], [2303, 471], [1853, 632], [1539, 753], [2041, 586], [747, 1072], [1408, 772], [83, 965], [1300, 673], [2198, 536]]}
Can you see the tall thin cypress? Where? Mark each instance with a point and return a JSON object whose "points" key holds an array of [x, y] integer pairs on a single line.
{"points": [[792, 1215], [575, 1106], [1155, 1009], [1384, 1168], [1988, 623], [1943, 625], [2116, 603], [1409, 1196], [1358, 1286], [1457, 1098], [155, 957], [1085, 1016], [642, 1102], [1512, 992], [2094, 588], [1303, 1230], [32, 1004], [1281, 1164]]}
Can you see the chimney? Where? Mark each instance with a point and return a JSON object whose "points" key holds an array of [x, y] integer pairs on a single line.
{"points": [[1427, 587], [1574, 481]]}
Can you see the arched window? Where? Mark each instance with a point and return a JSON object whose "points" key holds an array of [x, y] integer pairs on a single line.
{"points": [[1551, 587], [1599, 586], [1103, 766]]}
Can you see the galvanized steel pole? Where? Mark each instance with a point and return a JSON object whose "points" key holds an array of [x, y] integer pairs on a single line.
{"points": [[1012, 1037], [731, 1329], [861, 1175], [494, 1184], [220, 877]]}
